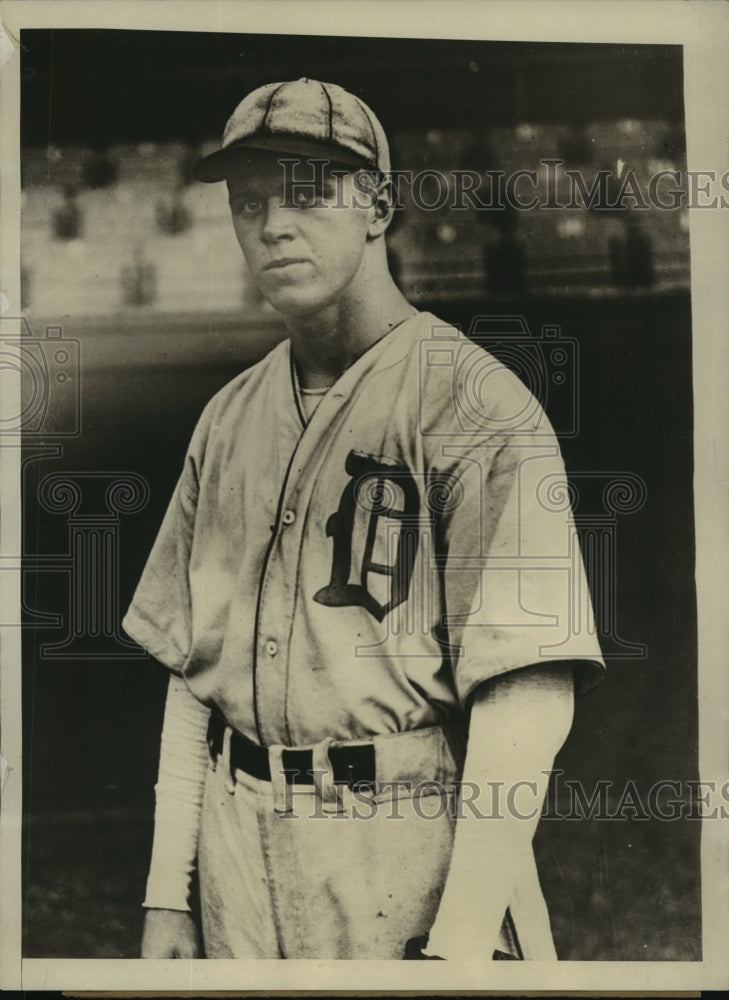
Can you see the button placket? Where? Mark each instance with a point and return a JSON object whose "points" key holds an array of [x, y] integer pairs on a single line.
{"points": [[276, 608]]}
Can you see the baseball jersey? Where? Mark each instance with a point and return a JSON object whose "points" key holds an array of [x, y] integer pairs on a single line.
{"points": [[364, 572]]}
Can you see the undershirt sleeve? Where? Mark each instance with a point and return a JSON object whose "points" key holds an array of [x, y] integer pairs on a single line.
{"points": [[178, 795]]}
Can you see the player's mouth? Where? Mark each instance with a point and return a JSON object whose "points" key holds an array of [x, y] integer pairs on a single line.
{"points": [[283, 262]]}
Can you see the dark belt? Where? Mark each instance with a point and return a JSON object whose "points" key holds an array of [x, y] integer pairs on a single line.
{"points": [[351, 765]]}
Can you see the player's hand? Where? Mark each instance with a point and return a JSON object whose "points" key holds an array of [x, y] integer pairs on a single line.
{"points": [[169, 934]]}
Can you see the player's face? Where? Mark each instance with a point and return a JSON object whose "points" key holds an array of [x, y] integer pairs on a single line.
{"points": [[304, 238]]}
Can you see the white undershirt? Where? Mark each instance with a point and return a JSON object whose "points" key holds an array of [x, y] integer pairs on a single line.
{"points": [[310, 399], [183, 763]]}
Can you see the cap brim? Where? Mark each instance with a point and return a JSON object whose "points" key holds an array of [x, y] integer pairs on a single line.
{"points": [[255, 149]]}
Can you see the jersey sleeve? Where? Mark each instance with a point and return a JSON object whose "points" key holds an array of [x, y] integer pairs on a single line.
{"points": [[160, 615], [515, 586]]}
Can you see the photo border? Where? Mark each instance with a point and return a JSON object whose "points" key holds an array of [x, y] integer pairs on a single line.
{"points": [[702, 28]]}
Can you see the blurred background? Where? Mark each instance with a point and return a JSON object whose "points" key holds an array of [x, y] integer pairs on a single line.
{"points": [[138, 307]]}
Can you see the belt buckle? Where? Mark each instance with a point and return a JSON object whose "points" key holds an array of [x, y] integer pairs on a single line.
{"points": [[360, 771]]}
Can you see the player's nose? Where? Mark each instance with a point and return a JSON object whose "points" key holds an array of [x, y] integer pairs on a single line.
{"points": [[278, 222]]}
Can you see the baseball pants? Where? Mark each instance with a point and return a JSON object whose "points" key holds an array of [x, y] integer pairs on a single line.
{"points": [[304, 871]]}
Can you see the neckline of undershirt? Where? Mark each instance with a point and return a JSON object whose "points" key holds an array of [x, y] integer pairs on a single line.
{"points": [[307, 408]]}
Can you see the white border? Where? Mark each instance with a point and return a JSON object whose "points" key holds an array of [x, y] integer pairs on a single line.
{"points": [[702, 27]]}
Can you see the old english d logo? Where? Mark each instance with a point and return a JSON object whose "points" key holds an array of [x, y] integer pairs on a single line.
{"points": [[375, 537]]}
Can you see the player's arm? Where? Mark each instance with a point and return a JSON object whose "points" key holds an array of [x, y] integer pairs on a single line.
{"points": [[518, 724], [169, 929]]}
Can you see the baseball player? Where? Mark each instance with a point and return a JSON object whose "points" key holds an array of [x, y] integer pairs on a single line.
{"points": [[363, 589]]}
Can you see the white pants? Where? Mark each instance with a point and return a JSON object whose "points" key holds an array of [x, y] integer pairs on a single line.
{"points": [[294, 871]]}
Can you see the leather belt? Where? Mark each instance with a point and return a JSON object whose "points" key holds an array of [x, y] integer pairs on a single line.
{"points": [[352, 765]]}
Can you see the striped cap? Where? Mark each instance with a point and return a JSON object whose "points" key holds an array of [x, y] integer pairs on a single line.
{"points": [[304, 118]]}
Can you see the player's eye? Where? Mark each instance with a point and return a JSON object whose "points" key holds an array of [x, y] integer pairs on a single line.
{"points": [[248, 207]]}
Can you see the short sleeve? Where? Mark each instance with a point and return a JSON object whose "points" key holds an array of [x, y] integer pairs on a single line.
{"points": [[160, 615], [515, 586]]}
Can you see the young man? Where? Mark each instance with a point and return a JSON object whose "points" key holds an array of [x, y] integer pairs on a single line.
{"points": [[362, 591]]}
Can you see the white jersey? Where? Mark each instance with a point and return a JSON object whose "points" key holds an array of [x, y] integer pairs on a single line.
{"points": [[364, 572]]}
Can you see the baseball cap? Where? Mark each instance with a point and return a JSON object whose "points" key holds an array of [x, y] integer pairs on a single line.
{"points": [[305, 118]]}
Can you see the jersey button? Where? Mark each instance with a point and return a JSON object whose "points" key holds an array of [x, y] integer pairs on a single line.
{"points": [[289, 517], [271, 647]]}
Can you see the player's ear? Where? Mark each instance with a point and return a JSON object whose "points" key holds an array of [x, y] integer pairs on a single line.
{"points": [[383, 203]]}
